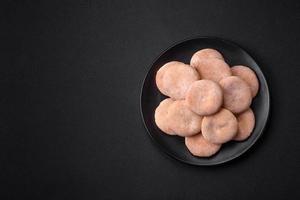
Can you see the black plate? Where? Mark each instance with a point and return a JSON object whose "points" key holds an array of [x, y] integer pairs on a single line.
{"points": [[151, 97]]}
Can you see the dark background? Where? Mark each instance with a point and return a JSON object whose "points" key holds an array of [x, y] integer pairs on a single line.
{"points": [[70, 79]]}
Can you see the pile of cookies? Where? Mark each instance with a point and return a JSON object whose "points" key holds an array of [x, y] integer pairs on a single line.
{"points": [[209, 101]]}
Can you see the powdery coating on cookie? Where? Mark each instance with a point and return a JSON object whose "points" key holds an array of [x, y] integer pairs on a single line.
{"points": [[174, 78], [248, 75], [220, 127], [237, 94], [198, 146], [204, 97], [161, 116], [213, 69], [183, 121], [205, 54], [246, 123]]}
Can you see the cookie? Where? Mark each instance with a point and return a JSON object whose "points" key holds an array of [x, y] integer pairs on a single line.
{"points": [[237, 94], [204, 97], [174, 78], [205, 54], [212, 69], [198, 146], [161, 116], [248, 75], [246, 123], [220, 127], [183, 121]]}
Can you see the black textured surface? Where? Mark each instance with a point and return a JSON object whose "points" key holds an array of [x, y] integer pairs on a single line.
{"points": [[151, 97], [70, 79]]}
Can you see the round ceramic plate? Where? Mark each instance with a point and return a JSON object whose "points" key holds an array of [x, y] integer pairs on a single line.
{"points": [[150, 98]]}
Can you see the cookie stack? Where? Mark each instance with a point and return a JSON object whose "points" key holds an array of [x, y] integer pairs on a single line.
{"points": [[209, 101]]}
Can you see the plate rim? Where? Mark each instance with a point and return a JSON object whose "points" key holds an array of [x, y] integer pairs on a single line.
{"points": [[170, 154]]}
